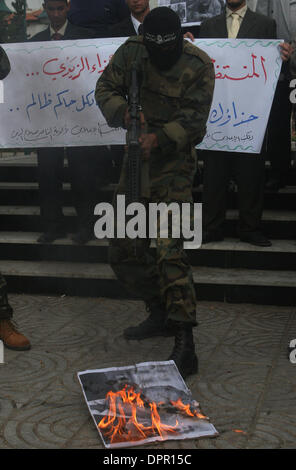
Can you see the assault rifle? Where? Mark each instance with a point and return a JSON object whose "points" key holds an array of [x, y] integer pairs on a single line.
{"points": [[134, 150]]}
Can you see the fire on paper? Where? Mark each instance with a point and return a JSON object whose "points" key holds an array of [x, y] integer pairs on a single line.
{"points": [[143, 403]]}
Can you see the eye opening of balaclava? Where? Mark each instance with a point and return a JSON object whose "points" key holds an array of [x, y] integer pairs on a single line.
{"points": [[163, 37]]}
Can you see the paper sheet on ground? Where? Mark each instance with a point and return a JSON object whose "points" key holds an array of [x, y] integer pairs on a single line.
{"points": [[157, 382]]}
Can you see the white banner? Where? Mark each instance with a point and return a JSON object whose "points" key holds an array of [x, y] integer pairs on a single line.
{"points": [[247, 71], [49, 94]]}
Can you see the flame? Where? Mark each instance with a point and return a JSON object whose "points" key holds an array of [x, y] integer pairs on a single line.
{"points": [[118, 428], [239, 431], [186, 409]]}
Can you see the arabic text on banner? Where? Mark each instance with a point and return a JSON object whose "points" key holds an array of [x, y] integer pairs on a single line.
{"points": [[49, 94]]}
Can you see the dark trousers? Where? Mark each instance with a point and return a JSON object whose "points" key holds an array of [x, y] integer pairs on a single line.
{"points": [[279, 132], [50, 177], [5, 308], [89, 169], [248, 172]]}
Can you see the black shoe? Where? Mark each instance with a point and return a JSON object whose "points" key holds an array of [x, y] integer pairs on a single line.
{"points": [[212, 236], [154, 325], [50, 236], [274, 184], [83, 236], [184, 350], [255, 238]]}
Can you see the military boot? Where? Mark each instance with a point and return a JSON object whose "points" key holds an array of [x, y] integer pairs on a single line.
{"points": [[12, 338], [184, 350], [154, 325]]}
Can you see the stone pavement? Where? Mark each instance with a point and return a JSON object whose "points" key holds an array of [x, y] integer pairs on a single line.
{"points": [[246, 381]]}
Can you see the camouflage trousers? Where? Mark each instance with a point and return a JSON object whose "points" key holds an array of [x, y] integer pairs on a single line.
{"points": [[5, 308], [159, 275]]}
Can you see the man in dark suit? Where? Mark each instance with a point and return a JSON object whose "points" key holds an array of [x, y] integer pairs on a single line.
{"points": [[130, 25], [85, 163], [237, 21], [279, 127], [97, 15]]}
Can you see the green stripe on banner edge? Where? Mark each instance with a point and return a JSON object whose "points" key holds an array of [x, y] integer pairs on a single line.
{"points": [[222, 147], [220, 44], [7, 49]]}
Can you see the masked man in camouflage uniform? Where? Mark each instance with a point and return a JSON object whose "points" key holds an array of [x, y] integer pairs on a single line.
{"points": [[8, 332], [176, 94]]}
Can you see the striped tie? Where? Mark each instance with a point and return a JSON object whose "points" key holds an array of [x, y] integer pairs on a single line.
{"points": [[235, 25]]}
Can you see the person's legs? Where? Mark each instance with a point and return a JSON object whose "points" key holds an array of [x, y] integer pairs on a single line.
{"points": [[175, 274], [50, 177], [134, 264], [9, 334], [162, 279], [250, 174], [279, 137], [215, 184], [89, 169]]}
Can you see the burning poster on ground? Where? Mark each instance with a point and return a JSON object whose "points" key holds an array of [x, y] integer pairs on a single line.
{"points": [[143, 403]]}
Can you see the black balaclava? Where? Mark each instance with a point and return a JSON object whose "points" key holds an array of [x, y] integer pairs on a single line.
{"points": [[163, 37]]}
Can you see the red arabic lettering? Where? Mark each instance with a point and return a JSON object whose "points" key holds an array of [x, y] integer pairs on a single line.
{"points": [[222, 75]]}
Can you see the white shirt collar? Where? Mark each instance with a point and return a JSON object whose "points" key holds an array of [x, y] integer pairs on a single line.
{"points": [[136, 23]]}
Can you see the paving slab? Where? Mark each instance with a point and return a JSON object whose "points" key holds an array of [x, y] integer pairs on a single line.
{"points": [[246, 383]]}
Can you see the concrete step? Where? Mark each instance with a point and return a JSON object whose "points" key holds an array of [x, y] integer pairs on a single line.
{"points": [[231, 253], [27, 193], [97, 279], [276, 224], [23, 168]]}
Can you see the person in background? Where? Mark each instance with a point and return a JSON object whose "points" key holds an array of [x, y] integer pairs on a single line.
{"points": [[237, 21], [279, 127], [97, 15], [9, 334], [132, 24], [88, 165]]}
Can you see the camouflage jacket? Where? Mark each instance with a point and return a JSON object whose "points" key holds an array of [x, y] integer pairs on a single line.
{"points": [[176, 103], [4, 64]]}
